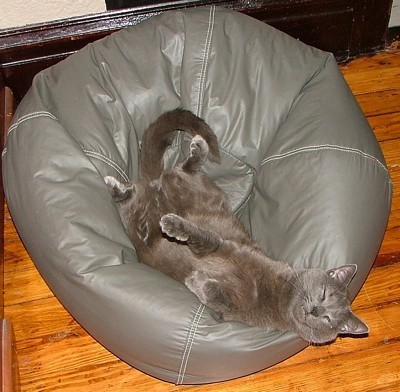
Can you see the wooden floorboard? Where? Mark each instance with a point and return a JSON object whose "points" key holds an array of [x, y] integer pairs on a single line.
{"points": [[375, 82], [56, 354]]}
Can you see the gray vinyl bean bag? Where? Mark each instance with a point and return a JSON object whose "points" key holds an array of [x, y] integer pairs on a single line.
{"points": [[300, 165]]}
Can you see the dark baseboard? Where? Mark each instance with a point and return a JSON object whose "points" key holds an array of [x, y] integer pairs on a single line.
{"points": [[345, 27], [393, 34]]}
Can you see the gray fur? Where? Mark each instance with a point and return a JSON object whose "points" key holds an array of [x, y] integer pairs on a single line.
{"points": [[181, 223]]}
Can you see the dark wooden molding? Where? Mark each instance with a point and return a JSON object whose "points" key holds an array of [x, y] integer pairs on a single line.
{"points": [[392, 35], [371, 19], [345, 27]]}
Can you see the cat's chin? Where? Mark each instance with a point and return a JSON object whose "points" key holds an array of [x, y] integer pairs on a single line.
{"points": [[315, 337]]}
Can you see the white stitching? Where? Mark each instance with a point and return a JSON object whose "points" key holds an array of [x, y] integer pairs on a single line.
{"points": [[206, 57], [89, 153], [189, 343], [323, 148], [108, 161], [30, 116]]}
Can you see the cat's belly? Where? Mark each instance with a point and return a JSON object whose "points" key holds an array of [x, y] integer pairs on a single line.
{"points": [[173, 259]]}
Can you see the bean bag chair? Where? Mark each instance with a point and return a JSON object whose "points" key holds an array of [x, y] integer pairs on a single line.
{"points": [[300, 164]]}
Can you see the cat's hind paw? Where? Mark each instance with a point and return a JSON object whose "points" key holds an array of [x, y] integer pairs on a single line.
{"points": [[118, 190], [209, 291], [198, 147], [198, 154], [172, 226]]}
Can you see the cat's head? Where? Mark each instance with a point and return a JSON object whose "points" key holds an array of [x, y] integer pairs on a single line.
{"points": [[320, 306]]}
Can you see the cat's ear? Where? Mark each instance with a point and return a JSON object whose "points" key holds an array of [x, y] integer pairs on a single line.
{"points": [[353, 325], [343, 274], [118, 190]]}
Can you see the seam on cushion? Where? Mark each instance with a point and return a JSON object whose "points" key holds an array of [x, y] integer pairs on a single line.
{"points": [[30, 116], [251, 168], [24, 118], [108, 161], [316, 72], [253, 175], [189, 344], [205, 62], [324, 147]]}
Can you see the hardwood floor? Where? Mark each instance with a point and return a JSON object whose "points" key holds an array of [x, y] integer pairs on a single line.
{"points": [[55, 353], [375, 81]]}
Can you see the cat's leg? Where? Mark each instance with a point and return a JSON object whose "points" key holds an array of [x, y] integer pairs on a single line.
{"points": [[209, 292], [118, 190], [198, 154], [201, 242]]}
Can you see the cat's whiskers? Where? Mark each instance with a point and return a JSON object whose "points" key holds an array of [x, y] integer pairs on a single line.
{"points": [[299, 291], [298, 288], [384, 322]]}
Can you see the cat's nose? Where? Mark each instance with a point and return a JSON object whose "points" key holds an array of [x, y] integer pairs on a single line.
{"points": [[318, 311]]}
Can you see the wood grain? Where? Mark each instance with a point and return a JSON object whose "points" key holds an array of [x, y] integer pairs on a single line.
{"points": [[9, 375], [375, 82], [56, 354]]}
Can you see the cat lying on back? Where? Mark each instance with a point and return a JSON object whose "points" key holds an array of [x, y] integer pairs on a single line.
{"points": [[181, 223]]}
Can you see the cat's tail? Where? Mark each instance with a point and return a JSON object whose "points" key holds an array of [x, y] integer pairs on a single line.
{"points": [[159, 136]]}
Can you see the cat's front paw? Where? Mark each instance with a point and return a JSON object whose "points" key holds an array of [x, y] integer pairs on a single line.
{"points": [[172, 226]]}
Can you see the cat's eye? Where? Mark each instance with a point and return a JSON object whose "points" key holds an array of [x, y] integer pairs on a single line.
{"points": [[323, 294]]}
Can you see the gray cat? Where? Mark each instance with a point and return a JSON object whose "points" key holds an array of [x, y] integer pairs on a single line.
{"points": [[181, 223]]}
